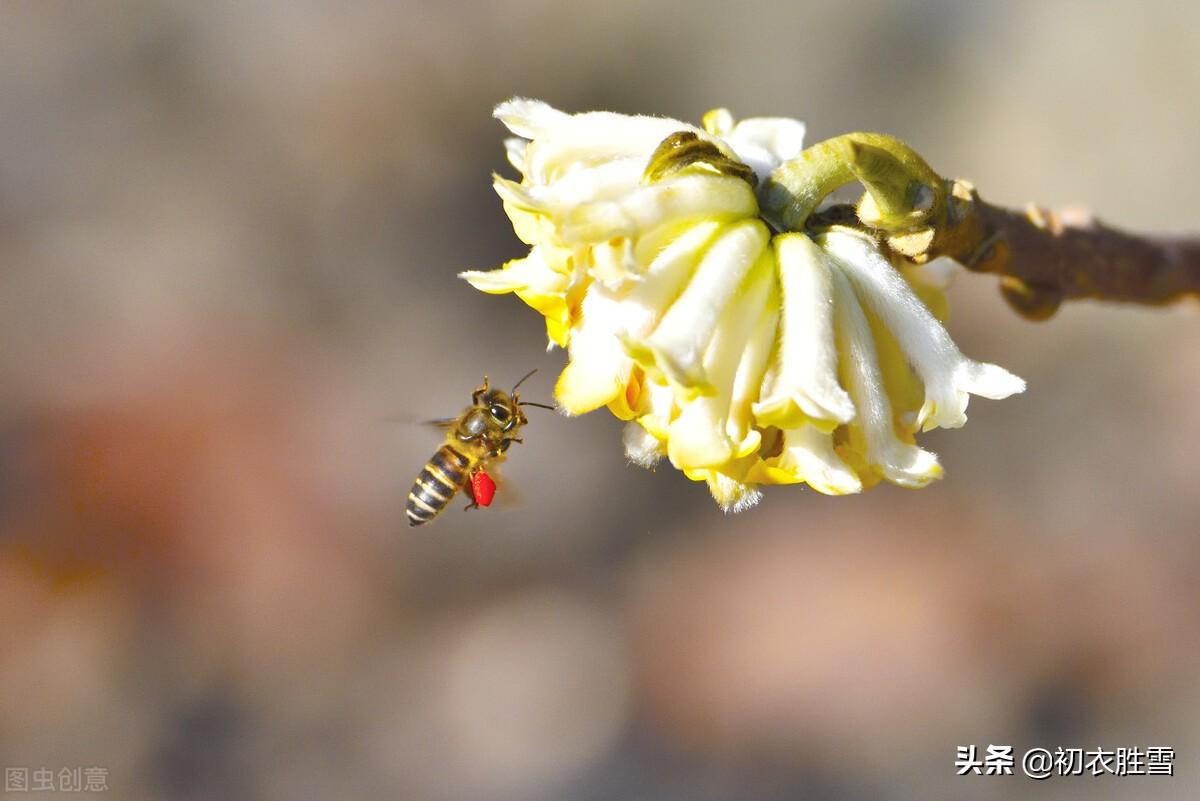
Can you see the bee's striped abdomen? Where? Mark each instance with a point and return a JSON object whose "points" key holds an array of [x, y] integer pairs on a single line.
{"points": [[437, 483]]}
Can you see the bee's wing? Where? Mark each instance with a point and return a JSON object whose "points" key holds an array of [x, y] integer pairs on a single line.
{"points": [[442, 423]]}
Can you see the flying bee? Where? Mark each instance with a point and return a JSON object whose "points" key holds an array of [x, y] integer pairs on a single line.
{"points": [[478, 437]]}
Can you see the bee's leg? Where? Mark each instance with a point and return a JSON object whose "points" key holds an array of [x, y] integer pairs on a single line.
{"points": [[470, 492], [480, 392]]}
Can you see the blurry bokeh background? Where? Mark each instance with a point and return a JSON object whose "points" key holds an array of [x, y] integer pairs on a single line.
{"points": [[229, 235]]}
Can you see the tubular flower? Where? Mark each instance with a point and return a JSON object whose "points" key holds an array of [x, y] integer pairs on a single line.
{"points": [[743, 355]]}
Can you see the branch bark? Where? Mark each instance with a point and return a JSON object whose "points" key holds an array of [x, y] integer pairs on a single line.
{"points": [[1044, 258]]}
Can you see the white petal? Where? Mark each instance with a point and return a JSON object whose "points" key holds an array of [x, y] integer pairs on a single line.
{"points": [[514, 151], [639, 305], [948, 375], [611, 181], [764, 143], [747, 385], [900, 462], [700, 436], [676, 348], [563, 143], [806, 374], [937, 274], [731, 495], [599, 364], [691, 196], [641, 447], [810, 453], [529, 118], [668, 270], [612, 263]]}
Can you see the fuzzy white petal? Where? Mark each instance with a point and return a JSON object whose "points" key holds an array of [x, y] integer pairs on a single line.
{"points": [[563, 143], [764, 143], [809, 453], [731, 495], [949, 376], [514, 151], [677, 346], [747, 384], [612, 311], [806, 374], [611, 181], [667, 273], [938, 274], [900, 462], [612, 263], [700, 436], [528, 118], [691, 196], [641, 447]]}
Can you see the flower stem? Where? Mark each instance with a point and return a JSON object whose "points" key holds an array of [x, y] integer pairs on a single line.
{"points": [[902, 190]]}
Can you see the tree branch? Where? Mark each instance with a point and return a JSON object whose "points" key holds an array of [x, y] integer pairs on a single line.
{"points": [[1044, 258]]}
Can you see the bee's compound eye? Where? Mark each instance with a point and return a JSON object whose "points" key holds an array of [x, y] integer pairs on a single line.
{"points": [[499, 412]]}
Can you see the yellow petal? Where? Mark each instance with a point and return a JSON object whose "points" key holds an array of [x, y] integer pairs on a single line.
{"points": [[662, 409], [534, 282], [631, 401], [599, 369], [808, 456]]}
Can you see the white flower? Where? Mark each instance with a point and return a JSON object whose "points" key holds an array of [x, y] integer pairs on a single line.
{"points": [[744, 357]]}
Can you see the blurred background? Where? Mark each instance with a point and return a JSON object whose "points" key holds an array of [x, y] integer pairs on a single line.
{"points": [[229, 235]]}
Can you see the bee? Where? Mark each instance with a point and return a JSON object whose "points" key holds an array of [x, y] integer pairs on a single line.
{"points": [[476, 438]]}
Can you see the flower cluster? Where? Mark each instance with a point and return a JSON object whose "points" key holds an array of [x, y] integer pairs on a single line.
{"points": [[743, 355]]}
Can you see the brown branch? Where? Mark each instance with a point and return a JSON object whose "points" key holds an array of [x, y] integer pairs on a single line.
{"points": [[1044, 258]]}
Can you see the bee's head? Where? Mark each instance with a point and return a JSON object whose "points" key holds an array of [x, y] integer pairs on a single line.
{"points": [[496, 408], [502, 409]]}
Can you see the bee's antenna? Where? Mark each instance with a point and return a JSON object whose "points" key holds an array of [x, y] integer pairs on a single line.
{"points": [[539, 405], [531, 372]]}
